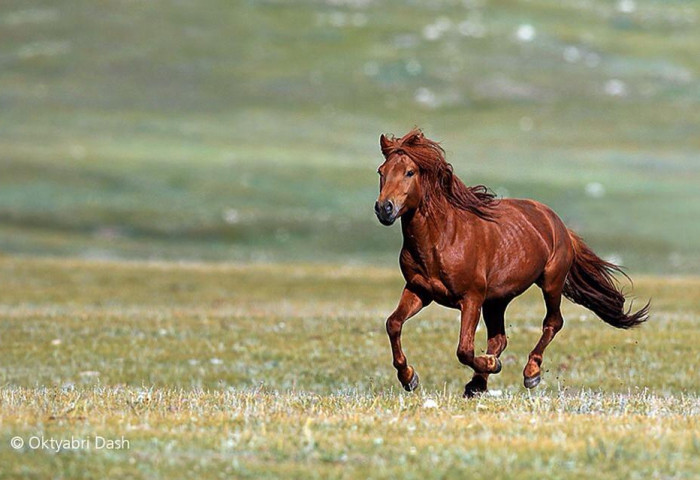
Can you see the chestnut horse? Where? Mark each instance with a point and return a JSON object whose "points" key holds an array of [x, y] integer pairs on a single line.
{"points": [[465, 249]]}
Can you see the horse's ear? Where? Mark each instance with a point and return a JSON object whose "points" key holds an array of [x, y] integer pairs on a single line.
{"points": [[384, 142], [413, 137]]}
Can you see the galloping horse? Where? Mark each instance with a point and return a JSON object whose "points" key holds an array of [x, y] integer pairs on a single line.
{"points": [[465, 249]]}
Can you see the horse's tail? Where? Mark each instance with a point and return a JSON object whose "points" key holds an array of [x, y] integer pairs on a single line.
{"points": [[591, 283]]}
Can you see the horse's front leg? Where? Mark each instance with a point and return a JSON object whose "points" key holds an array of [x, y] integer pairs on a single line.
{"points": [[489, 363], [409, 304]]}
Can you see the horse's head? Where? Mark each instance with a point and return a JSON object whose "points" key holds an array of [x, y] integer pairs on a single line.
{"points": [[399, 186]]}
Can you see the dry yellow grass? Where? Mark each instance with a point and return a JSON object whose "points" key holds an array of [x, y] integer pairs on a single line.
{"points": [[220, 371]]}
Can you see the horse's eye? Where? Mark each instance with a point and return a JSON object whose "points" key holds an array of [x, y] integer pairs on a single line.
{"points": [[410, 173]]}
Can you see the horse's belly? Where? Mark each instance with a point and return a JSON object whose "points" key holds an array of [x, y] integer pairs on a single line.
{"points": [[511, 282]]}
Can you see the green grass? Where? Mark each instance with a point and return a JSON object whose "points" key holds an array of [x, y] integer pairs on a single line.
{"points": [[269, 370], [248, 130], [257, 434], [242, 138]]}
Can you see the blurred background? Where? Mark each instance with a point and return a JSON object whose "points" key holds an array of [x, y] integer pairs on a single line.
{"points": [[248, 130]]}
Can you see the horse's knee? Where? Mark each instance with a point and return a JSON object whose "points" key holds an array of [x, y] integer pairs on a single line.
{"points": [[558, 326], [465, 356], [393, 326], [554, 323], [497, 344]]}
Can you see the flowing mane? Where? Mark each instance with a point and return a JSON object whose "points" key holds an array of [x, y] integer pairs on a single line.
{"points": [[437, 176]]}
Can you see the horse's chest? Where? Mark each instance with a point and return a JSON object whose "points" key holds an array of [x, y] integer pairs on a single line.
{"points": [[439, 290], [431, 276]]}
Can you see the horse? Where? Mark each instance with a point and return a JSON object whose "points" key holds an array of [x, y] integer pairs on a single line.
{"points": [[464, 248]]}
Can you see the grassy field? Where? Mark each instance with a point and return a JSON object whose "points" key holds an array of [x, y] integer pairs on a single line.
{"points": [[189, 259], [248, 130], [250, 371]]}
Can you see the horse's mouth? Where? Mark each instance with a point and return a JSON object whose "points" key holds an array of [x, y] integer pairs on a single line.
{"points": [[386, 212], [386, 221]]}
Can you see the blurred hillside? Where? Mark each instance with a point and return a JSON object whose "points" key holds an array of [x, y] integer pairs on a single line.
{"points": [[248, 130]]}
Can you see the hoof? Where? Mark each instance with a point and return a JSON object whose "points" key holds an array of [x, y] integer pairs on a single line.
{"points": [[499, 366], [476, 387], [413, 383], [532, 382]]}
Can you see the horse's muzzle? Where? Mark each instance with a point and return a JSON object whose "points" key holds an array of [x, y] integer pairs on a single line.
{"points": [[386, 212]]}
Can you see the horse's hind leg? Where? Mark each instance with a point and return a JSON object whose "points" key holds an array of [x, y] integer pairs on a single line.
{"points": [[494, 317], [553, 322]]}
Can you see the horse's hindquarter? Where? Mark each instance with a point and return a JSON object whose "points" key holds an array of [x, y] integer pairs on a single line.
{"points": [[522, 240]]}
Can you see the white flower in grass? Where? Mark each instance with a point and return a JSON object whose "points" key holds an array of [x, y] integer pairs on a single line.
{"points": [[430, 403], [431, 32], [626, 6], [471, 28], [231, 216], [572, 54], [525, 33], [595, 190], [443, 24], [615, 88], [435, 30], [426, 97], [413, 67]]}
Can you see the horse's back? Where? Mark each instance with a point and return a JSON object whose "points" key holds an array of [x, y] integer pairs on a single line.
{"points": [[531, 215]]}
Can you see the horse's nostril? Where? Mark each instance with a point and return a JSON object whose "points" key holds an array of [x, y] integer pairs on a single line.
{"points": [[388, 207]]}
